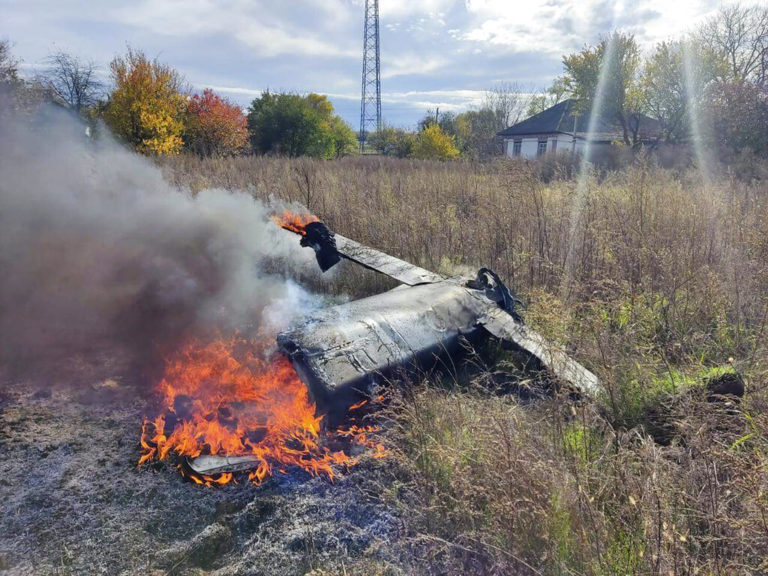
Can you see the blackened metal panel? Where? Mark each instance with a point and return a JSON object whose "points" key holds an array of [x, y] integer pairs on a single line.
{"points": [[341, 348], [400, 270]]}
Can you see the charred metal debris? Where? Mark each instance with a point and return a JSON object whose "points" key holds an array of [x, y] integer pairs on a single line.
{"points": [[342, 351], [339, 352]]}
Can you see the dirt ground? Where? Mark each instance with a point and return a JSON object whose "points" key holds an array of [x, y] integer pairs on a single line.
{"points": [[73, 501]]}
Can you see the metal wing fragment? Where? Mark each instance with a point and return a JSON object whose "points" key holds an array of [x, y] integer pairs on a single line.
{"points": [[330, 247], [213, 464], [503, 326], [400, 270]]}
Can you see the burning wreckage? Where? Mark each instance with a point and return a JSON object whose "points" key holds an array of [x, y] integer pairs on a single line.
{"points": [[231, 406], [341, 351]]}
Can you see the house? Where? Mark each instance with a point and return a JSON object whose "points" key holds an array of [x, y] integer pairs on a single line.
{"points": [[562, 129]]}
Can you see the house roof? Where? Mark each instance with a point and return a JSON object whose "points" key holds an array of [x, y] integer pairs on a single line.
{"points": [[563, 118]]}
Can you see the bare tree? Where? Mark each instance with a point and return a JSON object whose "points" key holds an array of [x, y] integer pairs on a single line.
{"points": [[73, 80], [509, 102], [9, 66], [544, 99], [739, 35]]}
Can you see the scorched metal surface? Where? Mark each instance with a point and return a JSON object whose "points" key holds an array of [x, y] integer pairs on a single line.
{"points": [[340, 350]]}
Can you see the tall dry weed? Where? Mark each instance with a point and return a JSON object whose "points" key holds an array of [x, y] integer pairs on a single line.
{"points": [[659, 286]]}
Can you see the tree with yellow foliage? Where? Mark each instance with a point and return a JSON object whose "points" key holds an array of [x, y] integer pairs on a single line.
{"points": [[147, 106], [433, 143]]}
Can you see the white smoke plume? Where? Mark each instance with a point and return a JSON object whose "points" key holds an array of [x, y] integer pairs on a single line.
{"points": [[95, 248]]}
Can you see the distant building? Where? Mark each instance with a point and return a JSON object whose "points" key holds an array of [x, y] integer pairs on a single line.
{"points": [[560, 129]]}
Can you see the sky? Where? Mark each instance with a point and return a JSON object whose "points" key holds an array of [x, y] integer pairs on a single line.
{"points": [[434, 53]]}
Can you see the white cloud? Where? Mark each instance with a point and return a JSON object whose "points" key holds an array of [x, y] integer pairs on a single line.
{"points": [[266, 27], [535, 25], [315, 45], [401, 9], [446, 100], [453, 100], [413, 64], [235, 90], [566, 25]]}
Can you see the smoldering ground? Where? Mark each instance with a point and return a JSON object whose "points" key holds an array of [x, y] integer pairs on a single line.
{"points": [[96, 250]]}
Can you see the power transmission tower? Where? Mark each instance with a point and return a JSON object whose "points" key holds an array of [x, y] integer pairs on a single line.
{"points": [[370, 105]]}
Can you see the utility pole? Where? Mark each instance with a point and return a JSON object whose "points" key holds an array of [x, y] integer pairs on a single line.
{"points": [[370, 104]]}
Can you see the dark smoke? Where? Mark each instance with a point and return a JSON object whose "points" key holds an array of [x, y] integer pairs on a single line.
{"points": [[97, 250]]}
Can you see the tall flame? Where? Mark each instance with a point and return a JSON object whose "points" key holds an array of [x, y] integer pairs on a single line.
{"points": [[228, 397]]}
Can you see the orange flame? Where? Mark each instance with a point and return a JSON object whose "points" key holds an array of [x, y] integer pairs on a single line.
{"points": [[225, 398], [294, 222]]}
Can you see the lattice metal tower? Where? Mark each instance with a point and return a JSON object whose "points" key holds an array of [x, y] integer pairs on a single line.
{"points": [[370, 105]]}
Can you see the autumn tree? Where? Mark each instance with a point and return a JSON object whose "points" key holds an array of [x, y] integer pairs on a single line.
{"points": [[446, 121], [295, 125], [332, 126], [8, 76], [736, 40], [740, 115], [503, 105], [617, 58], [215, 126], [545, 99], [433, 143], [391, 141], [473, 132], [17, 94], [148, 104], [676, 83], [72, 80], [344, 139], [664, 89]]}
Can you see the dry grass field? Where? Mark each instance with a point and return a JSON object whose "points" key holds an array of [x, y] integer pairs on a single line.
{"points": [[655, 281]]}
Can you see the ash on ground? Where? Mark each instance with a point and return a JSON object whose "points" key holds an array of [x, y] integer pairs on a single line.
{"points": [[73, 501]]}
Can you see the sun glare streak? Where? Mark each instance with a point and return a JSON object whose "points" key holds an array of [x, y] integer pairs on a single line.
{"points": [[582, 182], [695, 114]]}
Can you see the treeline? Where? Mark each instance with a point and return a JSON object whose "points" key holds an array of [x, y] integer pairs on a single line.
{"points": [[709, 88], [448, 135], [150, 107]]}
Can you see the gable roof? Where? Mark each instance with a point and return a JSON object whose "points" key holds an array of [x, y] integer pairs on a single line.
{"points": [[563, 118]]}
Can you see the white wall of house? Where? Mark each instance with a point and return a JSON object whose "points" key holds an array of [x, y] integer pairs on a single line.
{"points": [[529, 145], [565, 143], [556, 144]]}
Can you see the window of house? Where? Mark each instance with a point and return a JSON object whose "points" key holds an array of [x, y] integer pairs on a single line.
{"points": [[542, 149], [554, 145], [516, 147]]}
